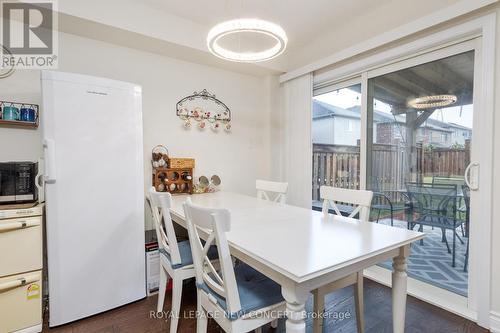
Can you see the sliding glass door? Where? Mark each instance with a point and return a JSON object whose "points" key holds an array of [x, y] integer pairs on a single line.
{"points": [[420, 126], [407, 130], [336, 136]]}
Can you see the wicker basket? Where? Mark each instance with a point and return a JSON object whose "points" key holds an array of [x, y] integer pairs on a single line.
{"points": [[181, 163], [159, 157]]}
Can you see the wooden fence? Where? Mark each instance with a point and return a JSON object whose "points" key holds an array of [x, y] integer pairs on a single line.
{"points": [[446, 162], [339, 165]]}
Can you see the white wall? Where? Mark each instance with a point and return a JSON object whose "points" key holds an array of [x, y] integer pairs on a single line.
{"points": [[17, 144], [238, 157]]}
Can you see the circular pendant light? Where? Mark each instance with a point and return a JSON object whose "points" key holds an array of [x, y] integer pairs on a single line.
{"points": [[436, 101], [243, 26]]}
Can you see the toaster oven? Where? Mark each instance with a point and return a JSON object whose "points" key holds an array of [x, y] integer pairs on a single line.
{"points": [[17, 182]]}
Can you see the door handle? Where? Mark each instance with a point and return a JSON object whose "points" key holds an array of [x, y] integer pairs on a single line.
{"points": [[474, 182], [40, 180], [18, 225], [49, 147], [25, 280]]}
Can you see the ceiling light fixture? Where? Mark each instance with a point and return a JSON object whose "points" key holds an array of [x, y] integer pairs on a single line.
{"points": [[247, 25], [429, 102]]}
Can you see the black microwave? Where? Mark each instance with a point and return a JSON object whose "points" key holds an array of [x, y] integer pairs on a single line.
{"points": [[17, 182]]}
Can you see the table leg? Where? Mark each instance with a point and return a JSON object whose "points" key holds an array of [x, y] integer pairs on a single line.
{"points": [[295, 308], [399, 282]]}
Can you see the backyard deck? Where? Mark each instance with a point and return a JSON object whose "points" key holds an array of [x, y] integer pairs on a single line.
{"points": [[431, 262]]}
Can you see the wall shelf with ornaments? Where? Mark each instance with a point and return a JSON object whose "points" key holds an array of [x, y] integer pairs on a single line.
{"points": [[14, 114], [203, 110]]}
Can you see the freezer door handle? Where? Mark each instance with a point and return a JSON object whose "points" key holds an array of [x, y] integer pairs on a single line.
{"points": [[49, 147], [18, 282], [18, 225]]}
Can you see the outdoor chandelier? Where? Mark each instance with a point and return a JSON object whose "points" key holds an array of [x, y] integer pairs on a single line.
{"points": [[429, 102], [247, 25]]}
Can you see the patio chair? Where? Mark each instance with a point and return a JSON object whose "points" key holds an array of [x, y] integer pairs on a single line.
{"points": [[455, 180], [383, 200], [466, 193], [435, 206], [459, 181]]}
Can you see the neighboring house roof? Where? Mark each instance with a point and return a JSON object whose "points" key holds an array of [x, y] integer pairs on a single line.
{"points": [[453, 125], [325, 110]]}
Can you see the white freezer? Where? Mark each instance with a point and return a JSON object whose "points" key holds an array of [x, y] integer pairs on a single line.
{"points": [[92, 129]]}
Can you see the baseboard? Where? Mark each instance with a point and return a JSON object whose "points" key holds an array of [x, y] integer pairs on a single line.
{"points": [[495, 322], [32, 329]]}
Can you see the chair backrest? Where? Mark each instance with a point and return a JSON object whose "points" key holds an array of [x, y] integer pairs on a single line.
{"points": [[360, 198], [215, 222], [456, 181], [265, 187], [440, 180], [466, 194], [160, 203], [431, 199]]}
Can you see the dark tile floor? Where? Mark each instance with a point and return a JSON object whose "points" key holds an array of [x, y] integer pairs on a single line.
{"points": [[420, 316]]}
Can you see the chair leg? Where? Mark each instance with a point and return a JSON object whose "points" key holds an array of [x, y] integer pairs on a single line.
{"points": [[202, 320], [446, 241], [176, 304], [454, 248], [162, 289], [421, 229], [378, 215], [392, 218], [358, 298], [459, 238], [466, 261], [319, 308]]}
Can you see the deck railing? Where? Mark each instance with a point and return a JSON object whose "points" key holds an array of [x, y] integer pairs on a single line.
{"points": [[339, 165]]}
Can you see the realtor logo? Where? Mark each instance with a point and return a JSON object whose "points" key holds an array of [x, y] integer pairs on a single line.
{"points": [[29, 35]]}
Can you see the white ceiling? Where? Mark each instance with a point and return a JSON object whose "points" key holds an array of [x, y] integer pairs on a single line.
{"points": [[178, 28], [301, 19]]}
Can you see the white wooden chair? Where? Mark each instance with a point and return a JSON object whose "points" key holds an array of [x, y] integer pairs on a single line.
{"points": [[265, 188], [175, 257], [278, 191], [240, 299], [362, 202]]}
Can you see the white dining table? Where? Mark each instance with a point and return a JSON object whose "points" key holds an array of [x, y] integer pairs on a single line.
{"points": [[301, 249]]}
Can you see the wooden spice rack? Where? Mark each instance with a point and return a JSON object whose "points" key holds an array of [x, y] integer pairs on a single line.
{"points": [[173, 180]]}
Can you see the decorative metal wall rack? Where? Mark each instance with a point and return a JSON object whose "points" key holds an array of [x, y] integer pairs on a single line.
{"points": [[204, 109]]}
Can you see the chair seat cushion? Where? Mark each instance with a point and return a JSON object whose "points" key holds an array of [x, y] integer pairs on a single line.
{"points": [[255, 289], [186, 256]]}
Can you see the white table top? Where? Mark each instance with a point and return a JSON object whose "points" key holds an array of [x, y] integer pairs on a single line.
{"points": [[298, 242]]}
